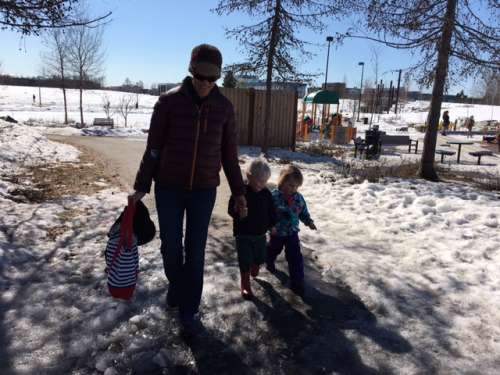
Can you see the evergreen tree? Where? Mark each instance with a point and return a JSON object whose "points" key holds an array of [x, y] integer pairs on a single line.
{"points": [[272, 44], [453, 39], [32, 16], [229, 80]]}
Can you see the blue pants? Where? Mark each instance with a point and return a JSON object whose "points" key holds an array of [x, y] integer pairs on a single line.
{"points": [[184, 263], [292, 254]]}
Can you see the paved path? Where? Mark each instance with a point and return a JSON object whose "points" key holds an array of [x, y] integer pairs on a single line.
{"points": [[123, 156]]}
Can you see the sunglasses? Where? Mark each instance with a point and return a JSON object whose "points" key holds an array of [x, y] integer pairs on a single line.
{"points": [[200, 77]]}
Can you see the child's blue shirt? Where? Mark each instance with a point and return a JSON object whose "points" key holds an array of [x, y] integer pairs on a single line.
{"points": [[290, 211]]}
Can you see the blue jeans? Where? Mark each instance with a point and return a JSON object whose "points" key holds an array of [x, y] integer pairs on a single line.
{"points": [[184, 263]]}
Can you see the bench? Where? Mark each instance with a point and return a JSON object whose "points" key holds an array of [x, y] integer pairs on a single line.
{"points": [[443, 153], [399, 140], [103, 122], [489, 138], [478, 154]]}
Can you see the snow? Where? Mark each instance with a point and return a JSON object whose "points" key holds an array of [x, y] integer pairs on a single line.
{"points": [[422, 257], [17, 102], [424, 254], [415, 113], [20, 144]]}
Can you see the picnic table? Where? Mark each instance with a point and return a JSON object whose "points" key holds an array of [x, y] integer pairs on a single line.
{"points": [[459, 143]]}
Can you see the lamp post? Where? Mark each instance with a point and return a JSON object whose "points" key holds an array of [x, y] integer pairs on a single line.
{"points": [[329, 39], [361, 86]]}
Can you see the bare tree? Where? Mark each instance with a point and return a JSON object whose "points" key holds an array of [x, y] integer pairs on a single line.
{"points": [[272, 44], [229, 80], [106, 104], [85, 56], [32, 16], [490, 87], [452, 38], [375, 62], [125, 105], [406, 88], [55, 60]]}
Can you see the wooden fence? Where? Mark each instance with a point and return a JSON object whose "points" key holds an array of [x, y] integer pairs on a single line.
{"points": [[249, 105]]}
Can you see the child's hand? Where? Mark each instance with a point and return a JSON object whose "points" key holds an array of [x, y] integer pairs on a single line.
{"points": [[242, 212], [312, 226], [240, 206]]}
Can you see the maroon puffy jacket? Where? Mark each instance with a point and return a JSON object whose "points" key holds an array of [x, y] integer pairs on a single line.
{"points": [[187, 143]]}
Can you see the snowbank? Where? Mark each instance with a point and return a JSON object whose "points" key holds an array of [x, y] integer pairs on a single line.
{"points": [[423, 255]]}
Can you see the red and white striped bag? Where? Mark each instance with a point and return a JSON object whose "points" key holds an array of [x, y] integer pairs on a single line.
{"points": [[122, 256]]}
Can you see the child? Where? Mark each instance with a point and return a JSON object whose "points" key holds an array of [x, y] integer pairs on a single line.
{"points": [[250, 227], [290, 208]]}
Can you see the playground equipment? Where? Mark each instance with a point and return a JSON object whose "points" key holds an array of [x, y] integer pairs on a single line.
{"points": [[330, 126]]}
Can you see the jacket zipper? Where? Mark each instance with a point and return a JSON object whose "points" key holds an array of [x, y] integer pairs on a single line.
{"points": [[205, 121], [195, 152]]}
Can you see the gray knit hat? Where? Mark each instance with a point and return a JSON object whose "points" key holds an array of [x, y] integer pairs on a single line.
{"points": [[206, 60]]}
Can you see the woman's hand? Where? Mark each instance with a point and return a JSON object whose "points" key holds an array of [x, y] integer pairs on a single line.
{"points": [[240, 206], [136, 196]]}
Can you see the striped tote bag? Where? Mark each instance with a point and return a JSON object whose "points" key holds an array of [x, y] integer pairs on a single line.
{"points": [[122, 257]]}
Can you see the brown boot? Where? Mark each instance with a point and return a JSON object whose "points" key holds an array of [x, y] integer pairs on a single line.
{"points": [[246, 290], [254, 270]]}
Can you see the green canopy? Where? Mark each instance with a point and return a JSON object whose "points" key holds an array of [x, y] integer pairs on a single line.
{"points": [[322, 97]]}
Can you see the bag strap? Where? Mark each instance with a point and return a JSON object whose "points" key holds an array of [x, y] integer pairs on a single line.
{"points": [[126, 230]]}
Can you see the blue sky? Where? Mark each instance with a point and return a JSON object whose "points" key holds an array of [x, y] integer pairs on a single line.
{"points": [[150, 40]]}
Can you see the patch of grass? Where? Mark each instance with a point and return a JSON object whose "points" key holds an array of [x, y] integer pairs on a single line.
{"points": [[54, 232], [488, 181], [360, 172], [47, 182], [323, 149]]}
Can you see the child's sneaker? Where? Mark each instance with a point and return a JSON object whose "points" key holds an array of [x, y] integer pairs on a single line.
{"points": [[246, 289], [271, 267], [254, 270]]}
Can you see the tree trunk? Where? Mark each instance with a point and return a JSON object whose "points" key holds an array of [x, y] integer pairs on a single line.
{"points": [[65, 106], [427, 170], [63, 84], [82, 124], [63, 79], [269, 76]]}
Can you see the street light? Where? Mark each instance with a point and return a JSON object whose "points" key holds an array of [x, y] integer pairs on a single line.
{"points": [[329, 39], [361, 86]]}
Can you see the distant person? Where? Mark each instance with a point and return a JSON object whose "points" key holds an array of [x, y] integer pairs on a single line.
{"points": [[469, 124], [446, 122], [291, 209], [192, 132], [34, 98], [498, 137], [309, 123], [250, 227]]}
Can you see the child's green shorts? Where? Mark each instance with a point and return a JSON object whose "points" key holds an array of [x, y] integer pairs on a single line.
{"points": [[251, 250]]}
